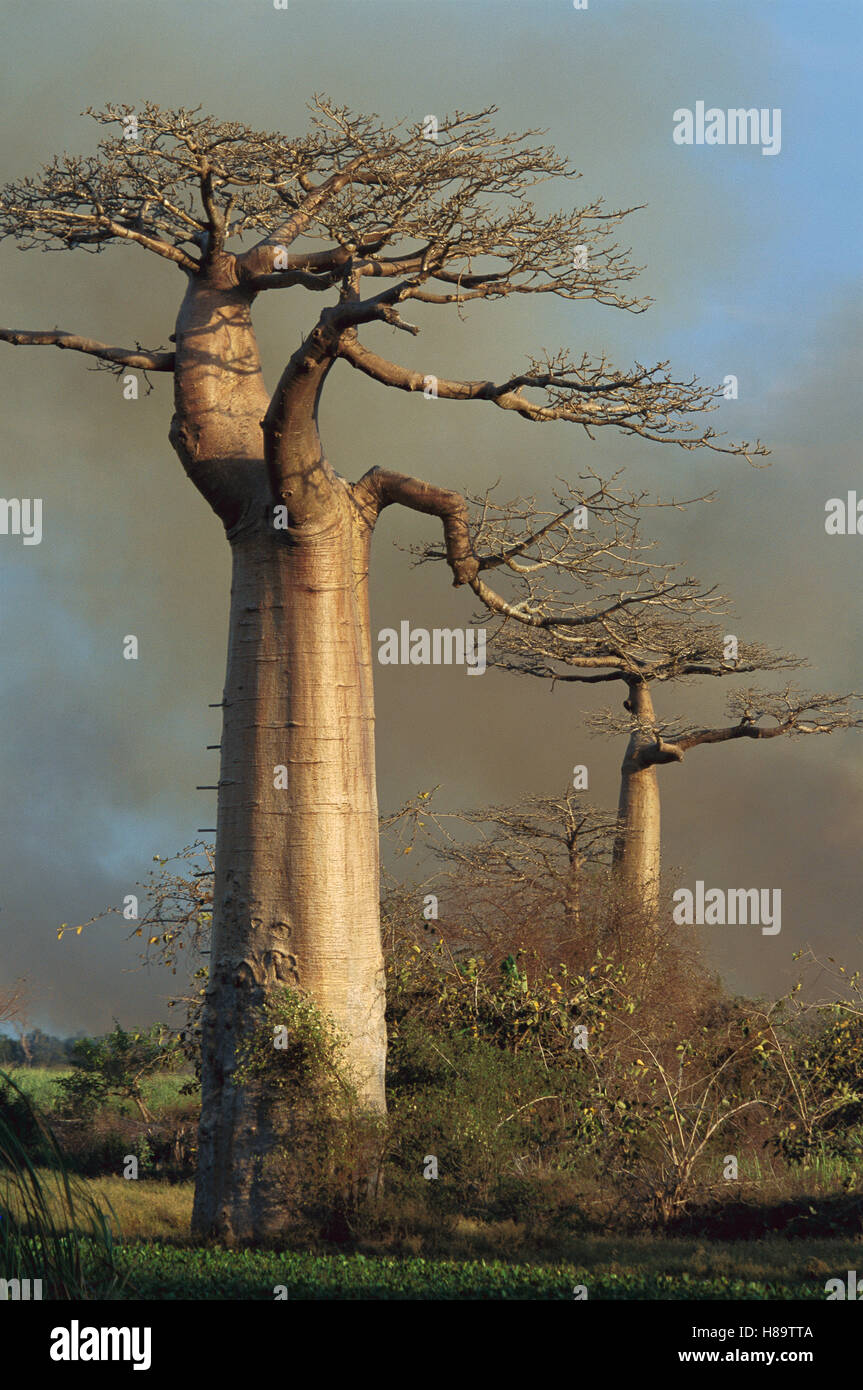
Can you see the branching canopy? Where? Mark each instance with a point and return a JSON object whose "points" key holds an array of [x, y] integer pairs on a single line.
{"points": [[590, 539], [380, 215], [629, 619], [758, 714]]}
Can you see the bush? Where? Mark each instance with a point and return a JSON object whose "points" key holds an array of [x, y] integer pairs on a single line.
{"points": [[115, 1066]]}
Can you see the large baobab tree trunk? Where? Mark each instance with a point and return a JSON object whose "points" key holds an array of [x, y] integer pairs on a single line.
{"points": [[637, 846], [296, 889], [296, 896], [296, 892]]}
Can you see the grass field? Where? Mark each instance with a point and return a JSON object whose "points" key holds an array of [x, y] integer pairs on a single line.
{"points": [[165, 1272]]}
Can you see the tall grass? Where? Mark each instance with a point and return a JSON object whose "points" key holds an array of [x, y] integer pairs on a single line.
{"points": [[51, 1227]]}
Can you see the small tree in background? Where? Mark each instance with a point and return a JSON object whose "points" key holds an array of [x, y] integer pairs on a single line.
{"points": [[116, 1067]]}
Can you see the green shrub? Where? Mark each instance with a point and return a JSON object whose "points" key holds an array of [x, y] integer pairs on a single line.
{"points": [[115, 1066]]}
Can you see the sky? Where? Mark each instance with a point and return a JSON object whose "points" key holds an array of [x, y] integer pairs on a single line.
{"points": [[753, 262]]}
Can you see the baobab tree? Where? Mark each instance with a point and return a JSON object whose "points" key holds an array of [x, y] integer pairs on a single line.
{"points": [[641, 646], [542, 847], [519, 866], [632, 619], [532, 881], [370, 218]]}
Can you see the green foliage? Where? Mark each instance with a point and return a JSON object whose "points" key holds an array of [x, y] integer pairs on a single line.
{"points": [[819, 1076], [493, 1119], [296, 1047], [483, 1074], [161, 1090], [167, 1272], [115, 1066], [486, 1072], [51, 1228], [19, 1116], [520, 1005], [295, 1060]]}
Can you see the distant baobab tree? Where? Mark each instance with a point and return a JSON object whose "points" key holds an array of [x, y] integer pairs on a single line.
{"points": [[648, 644], [369, 219]]}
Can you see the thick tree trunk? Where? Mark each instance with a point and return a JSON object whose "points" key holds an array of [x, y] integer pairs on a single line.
{"points": [[219, 394], [296, 895], [637, 855], [296, 892]]}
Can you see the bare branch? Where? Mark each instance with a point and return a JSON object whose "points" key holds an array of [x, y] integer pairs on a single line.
{"points": [[793, 711], [645, 402], [380, 488], [141, 358]]}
